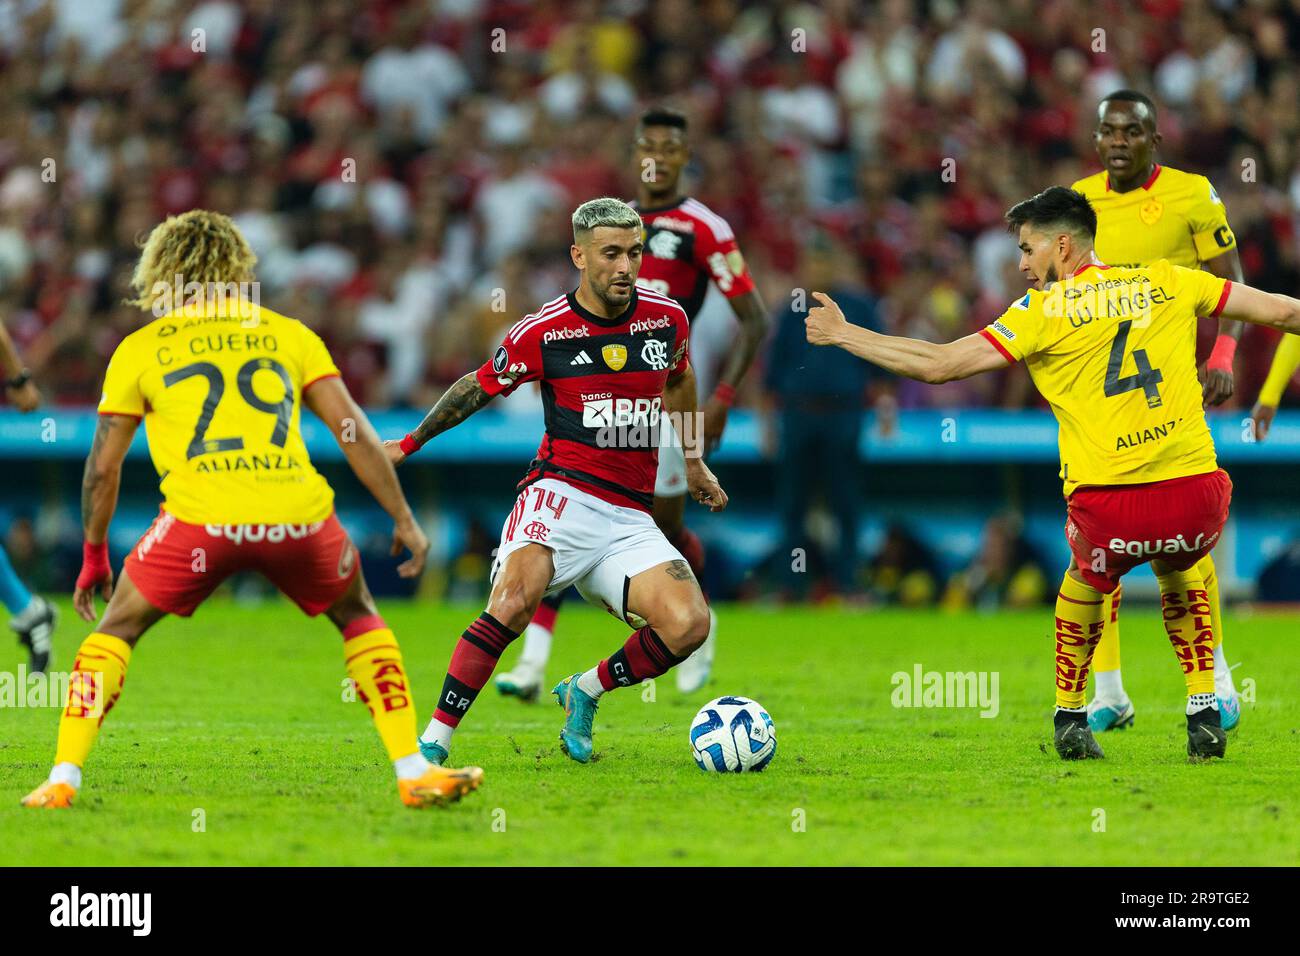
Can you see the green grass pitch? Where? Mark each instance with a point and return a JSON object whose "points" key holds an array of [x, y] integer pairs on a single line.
{"points": [[239, 713]]}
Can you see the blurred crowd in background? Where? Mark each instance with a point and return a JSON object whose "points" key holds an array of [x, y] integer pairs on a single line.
{"points": [[405, 170], [473, 127]]}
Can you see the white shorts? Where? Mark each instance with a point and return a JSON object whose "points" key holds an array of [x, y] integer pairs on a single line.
{"points": [[670, 479], [597, 546]]}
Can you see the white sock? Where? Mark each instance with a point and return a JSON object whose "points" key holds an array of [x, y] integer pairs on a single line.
{"points": [[438, 733], [68, 773], [1196, 702], [411, 767], [1110, 687], [1222, 673], [589, 684], [537, 648]]}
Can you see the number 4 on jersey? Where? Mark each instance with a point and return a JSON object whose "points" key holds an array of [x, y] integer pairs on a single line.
{"points": [[1146, 378]]}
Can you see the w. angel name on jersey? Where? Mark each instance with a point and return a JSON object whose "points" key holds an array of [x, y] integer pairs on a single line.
{"points": [[1114, 353], [602, 386], [687, 245]]}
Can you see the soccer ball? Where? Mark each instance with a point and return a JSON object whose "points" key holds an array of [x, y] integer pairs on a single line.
{"points": [[732, 735]]}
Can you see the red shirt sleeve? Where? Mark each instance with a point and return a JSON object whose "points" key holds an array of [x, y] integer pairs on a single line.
{"points": [[717, 253], [518, 359]]}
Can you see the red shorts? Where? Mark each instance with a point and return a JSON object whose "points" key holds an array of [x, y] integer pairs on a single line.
{"points": [[1114, 528], [177, 565]]}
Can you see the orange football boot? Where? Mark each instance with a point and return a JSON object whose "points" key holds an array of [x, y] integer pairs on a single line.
{"points": [[51, 796], [439, 786]]}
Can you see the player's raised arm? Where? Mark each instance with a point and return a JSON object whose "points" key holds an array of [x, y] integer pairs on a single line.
{"points": [[99, 485], [456, 404], [1261, 308], [912, 358], [330, 400], [680, 401]]}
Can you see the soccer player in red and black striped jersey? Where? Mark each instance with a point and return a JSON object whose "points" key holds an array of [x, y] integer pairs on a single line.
{"points": [[610, 357], [687, 247]]}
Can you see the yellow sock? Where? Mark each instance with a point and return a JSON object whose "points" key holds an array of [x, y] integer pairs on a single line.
{"points": [[375, 665], [1185, 606], [1106, 657], [93, 688], [1205, 568], [1079, 617]]}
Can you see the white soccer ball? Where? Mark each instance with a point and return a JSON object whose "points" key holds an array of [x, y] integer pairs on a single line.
{"points": [[732, 735]]}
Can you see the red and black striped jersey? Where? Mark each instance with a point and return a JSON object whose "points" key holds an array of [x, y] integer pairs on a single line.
{"points": [[686, 246], [602, 384]]}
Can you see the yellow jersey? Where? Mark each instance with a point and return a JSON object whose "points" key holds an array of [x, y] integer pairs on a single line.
{"points": [[220, 396], [1174, 215], [1114, 352]]}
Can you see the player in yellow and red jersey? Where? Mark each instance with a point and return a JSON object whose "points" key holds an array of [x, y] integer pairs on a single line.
{"points": [[220, 383], [1113, 352], [1147, 212]]}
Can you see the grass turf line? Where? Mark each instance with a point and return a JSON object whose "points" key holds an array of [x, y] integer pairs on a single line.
{"points": [[239, 713]]}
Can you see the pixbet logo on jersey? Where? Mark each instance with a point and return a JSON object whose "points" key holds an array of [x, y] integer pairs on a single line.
{"points": [[649, 325], [554, 335]]}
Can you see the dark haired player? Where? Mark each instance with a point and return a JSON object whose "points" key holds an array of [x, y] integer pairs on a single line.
{"points": [[610, 357], [1113, 351], [1146, 212], [687, 246]]}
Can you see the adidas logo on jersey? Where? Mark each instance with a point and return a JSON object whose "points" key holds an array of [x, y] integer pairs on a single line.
{"points": [[582, 358]]}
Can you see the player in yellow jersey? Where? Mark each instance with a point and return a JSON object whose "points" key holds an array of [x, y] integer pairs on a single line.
{"points": [[1113, 352], [1146, 212], [220, 383], [1285, 361]]}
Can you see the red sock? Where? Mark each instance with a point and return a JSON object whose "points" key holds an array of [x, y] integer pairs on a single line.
{"points": [[472, 663], [644, 655], [547, 612]]}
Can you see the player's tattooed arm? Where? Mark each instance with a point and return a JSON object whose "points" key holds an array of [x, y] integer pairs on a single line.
{"points": [[457, 404], [100, 480], [754, 325], [679, 571]]}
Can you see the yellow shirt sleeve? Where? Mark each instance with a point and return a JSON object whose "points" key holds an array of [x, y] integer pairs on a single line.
{"points": [[122, 395], [1285, 361], [1208, 219], [1208, 291], [317, 363], [1015, 332]]}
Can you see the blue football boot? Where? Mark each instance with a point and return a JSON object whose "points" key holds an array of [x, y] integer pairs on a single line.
{"points": [[1104, 716], [580, 710], [434, 752]]}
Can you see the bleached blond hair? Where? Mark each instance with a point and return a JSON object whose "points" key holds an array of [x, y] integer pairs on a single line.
{"points": [[199, 246]]}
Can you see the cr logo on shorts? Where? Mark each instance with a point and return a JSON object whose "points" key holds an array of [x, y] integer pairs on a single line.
{"points": [[536, 530]]}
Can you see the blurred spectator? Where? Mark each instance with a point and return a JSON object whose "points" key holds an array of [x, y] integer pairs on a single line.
{"points": [[821, 394], [903, 572], [1007, 572]]}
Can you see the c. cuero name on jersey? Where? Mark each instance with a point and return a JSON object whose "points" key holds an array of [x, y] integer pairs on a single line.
{"points": [[211, 343], [1133, 439]]}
